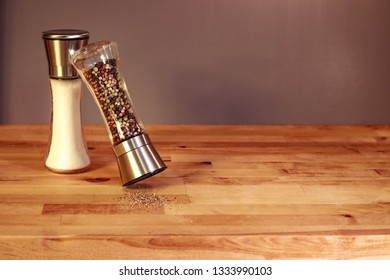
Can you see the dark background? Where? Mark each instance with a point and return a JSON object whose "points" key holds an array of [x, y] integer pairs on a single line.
{"points": [[213, 61]]}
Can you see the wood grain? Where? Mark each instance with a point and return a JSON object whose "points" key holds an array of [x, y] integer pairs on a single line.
{"points": [[232, 192]]}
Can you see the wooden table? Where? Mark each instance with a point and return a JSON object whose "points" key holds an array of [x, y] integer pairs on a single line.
{"points": [[230, 192]]}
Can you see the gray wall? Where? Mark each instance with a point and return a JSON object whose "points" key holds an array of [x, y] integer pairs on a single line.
{"points": [[213, 61]]}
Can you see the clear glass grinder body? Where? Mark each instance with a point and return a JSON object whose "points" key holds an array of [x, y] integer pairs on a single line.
{"points": [[98, 65], [67, 152]]}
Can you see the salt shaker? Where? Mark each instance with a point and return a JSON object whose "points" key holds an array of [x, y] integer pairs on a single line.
{"points": [[67, 152], [98, 65]]}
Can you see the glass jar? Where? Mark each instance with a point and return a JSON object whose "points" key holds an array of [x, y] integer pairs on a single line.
{"points": [[67, 152], [98, 65]]}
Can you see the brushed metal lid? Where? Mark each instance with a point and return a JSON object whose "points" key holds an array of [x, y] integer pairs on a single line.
{"points": [[60, 45], [65, 34]]}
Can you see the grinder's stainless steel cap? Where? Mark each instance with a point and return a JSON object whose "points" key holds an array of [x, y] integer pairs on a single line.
{"points": [[60, 45], [137, 159]]}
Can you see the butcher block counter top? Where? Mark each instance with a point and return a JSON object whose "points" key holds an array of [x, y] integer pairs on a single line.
{"points": [[229, 192]]}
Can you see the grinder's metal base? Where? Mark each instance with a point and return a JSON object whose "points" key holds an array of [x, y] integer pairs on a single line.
{"points": [[137, 159]]}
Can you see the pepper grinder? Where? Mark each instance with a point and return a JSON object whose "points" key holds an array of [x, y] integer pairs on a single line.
{"points": [[67, 152], [98, 65]]}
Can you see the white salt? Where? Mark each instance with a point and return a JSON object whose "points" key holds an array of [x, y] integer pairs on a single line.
{"points": [[67, 152]]}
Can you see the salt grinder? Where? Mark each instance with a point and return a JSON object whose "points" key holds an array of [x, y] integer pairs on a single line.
{"points": [[67, 152], [98, 65]]}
